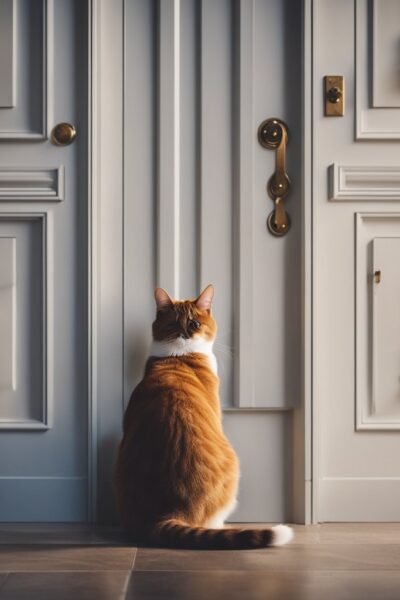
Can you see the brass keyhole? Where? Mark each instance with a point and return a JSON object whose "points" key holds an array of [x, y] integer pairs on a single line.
{"points": [[63, 134], [334, 95]]}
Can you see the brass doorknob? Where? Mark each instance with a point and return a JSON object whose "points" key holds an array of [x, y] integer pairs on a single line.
{"points": [[63, 134]]}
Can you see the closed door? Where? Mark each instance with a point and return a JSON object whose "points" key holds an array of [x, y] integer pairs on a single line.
{"points": [[43, 277], [356, 263], [200, 78]]}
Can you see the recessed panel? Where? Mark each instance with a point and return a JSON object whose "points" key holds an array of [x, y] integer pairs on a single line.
{"points": [[376, 65], [27, 75], [378, 320], [22, 298], [7, 53], [386, 52], [386, 329], [7, 313]]}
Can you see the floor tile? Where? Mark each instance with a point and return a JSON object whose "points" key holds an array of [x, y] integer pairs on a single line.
{"points": [[224, 585], [3, 577], [303, 534], [65, 558], [104, 585], [293, 557], [59, 533], [359, 533]]}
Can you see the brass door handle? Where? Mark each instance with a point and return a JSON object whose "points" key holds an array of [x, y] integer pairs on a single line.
{"points": [[273, 134]]}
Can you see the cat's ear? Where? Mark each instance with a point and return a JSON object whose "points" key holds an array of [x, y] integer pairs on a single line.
{"points": [[204, 301], [162, 298]]}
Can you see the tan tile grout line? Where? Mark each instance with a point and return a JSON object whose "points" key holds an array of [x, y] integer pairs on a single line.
{"points": [[252, 571], [135, 550], [7, 573]]}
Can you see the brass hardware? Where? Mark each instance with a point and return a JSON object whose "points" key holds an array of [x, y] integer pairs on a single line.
{"points": [[334, 95], [63, 134], [377, 277], [273, 134]]}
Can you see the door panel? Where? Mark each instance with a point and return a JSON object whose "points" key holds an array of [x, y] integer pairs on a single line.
{"points": [[356, 225], [200, 77], [43, 294]]}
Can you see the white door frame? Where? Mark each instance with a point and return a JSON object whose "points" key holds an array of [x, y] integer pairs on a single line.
{"points": [[105, 250], [105, 257]]}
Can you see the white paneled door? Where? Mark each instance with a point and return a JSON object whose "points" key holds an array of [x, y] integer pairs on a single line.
{"points": [[200, 78], [356, 264], [43, 277]]}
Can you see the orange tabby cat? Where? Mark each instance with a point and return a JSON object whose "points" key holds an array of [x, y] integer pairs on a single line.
{"points": [[177, 475]]}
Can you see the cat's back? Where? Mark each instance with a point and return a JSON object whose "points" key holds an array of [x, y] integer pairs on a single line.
{"points": [[171, 385]]}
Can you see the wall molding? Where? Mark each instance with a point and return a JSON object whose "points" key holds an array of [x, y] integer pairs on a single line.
{"points": [[363, 183], [45, 422], [32, 184]]}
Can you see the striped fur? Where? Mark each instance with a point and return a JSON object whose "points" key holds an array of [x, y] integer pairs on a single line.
{"points": [[176, 471]]}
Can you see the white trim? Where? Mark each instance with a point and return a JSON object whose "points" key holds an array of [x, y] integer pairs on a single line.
{"points": [[302, 416], [313, 416], [105, 251], [363, 183], [92, 244]]}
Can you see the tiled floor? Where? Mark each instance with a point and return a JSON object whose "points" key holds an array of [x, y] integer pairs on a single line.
{"points": [[325, 562]]}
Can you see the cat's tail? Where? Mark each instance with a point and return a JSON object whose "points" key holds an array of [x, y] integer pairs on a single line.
{"points": [[175, 533]]}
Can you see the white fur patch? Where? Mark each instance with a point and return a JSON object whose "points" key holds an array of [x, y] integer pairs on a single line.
{"points": [[181, 346], [282, 535], [217, 521]]}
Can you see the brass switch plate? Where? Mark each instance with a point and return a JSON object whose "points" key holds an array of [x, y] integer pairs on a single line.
{"points": [[334, 95]]}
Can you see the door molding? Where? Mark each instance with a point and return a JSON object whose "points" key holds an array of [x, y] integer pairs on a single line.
{"points": [[105, 250]]}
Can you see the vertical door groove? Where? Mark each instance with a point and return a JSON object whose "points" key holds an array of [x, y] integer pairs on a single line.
{"points": [[169, 146], [243, 203]]}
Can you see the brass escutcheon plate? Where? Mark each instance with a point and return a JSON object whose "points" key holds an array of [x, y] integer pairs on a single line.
{"points": [[270, 133]]}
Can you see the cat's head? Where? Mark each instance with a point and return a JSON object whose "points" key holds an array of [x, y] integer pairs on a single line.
{"points": [[184, 320]]}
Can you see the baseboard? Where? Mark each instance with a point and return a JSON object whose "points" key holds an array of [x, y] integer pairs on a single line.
{"points": [[43, 499], [364, 499]]}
